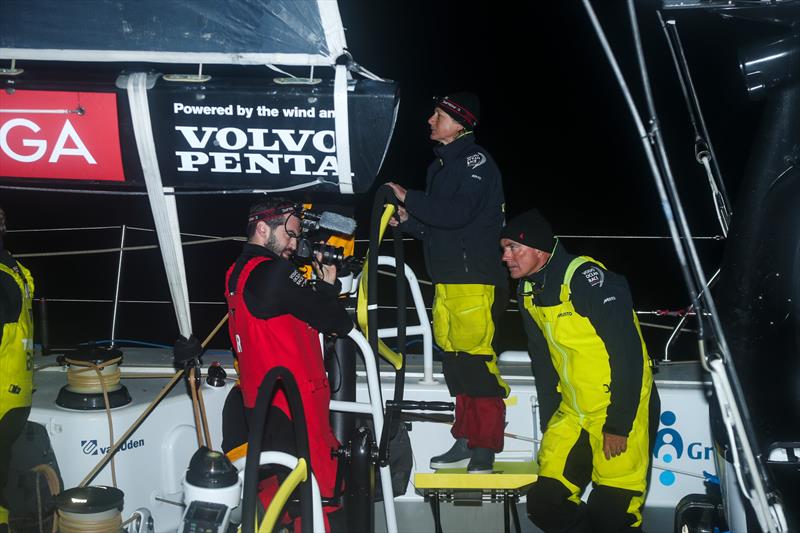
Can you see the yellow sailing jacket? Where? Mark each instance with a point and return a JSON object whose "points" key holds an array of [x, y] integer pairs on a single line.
{"points": [[578, 353], [16, 349]]}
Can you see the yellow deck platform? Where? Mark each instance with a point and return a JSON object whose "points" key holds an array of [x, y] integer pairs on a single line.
{"points": [[507, 475]]}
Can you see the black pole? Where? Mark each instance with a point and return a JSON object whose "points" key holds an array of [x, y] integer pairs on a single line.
{"points": [[342, 378], [360, 497], [383, 196], [44, 326]]}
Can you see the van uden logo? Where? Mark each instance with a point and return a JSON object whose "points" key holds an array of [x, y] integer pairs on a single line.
{"points": [[669, 444], [90, 447]]}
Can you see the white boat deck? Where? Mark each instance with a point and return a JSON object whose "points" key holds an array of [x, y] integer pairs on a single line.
{"points": [[153, 460]]}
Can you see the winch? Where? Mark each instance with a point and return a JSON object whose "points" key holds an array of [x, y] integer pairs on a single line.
{"points": [[92, 376], [93, 509]]}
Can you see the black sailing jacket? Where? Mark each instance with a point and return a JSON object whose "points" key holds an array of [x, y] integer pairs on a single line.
{"points": [[460, 215]]}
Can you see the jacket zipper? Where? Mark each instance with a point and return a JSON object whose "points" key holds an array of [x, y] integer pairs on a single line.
{"points": [[565, 374]]}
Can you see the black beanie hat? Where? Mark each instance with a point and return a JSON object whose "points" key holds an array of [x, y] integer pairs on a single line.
{"points": [[465, 108], [531, 229]]}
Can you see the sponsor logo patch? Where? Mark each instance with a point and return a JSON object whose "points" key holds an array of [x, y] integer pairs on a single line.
{"points": [[475, 160], [298, 278], [594, 276], [609, 299]]}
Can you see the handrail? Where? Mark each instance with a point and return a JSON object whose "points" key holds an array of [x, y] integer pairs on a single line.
{"points": [[375, 408], [424, 327], [289, 461]]}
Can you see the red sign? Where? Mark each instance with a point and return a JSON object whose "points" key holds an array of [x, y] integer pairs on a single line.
{"points": [[59, 135]]}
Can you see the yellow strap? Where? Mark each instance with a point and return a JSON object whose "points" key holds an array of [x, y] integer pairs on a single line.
{"points": [[361, 308], [573, 266], [297, 476]]}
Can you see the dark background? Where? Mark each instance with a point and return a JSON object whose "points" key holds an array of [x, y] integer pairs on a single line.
{"points": [[552, 116]]}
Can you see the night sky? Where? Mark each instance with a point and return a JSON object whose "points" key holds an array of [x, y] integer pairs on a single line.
{"points": [[551, 115]]}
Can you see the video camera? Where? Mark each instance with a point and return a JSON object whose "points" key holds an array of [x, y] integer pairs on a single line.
{"points": [[318, 223]]}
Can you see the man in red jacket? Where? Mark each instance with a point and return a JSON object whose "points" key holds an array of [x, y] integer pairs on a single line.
{"points": [[276, 316]]}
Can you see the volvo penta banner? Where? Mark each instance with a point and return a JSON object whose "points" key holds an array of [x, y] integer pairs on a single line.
{"points": [[247, 137], [225, 134]]}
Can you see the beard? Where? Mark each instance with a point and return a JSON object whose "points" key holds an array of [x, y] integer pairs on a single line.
{"points": [[273, 246]]}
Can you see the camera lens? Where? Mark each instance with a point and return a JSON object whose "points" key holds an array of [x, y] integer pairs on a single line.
{"points": [[331, 255]]}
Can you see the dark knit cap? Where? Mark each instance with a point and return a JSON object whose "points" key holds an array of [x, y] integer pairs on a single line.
{"points": [[531, 229], [465, 108]]}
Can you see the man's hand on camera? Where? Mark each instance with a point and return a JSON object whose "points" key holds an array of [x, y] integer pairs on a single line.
{"points": [[326, 273], [401, 214], [398, 190]]}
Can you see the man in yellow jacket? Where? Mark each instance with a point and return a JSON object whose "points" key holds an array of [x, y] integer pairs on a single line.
{"points": [[597, 400], [16, 358]]}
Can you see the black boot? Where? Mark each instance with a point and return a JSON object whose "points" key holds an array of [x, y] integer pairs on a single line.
{"points": [[456, 457], [482, 461]]}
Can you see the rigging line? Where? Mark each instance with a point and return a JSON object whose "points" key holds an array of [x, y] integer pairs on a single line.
{"points": [[744, 430], [118, 249], [656, 155], [673, 27], [670, 33], [704, 152], [643, 237], [690, 261], [620, 237], [47, 230], [72, 191], [184, 234], [170, 193], [107, 301]]}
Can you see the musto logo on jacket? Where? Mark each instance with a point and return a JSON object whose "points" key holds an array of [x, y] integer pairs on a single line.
{"points": [[669, 447]]}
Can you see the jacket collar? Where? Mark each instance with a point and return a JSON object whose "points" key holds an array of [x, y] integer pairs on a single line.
{"points": [[255, 250], [554, 268], [455, 148]]}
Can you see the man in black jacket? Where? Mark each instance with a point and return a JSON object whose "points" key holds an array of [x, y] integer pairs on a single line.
{"points": [[459, 217], [598, 404]]}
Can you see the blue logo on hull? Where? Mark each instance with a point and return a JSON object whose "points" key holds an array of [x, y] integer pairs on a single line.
{"points": [[669, 441], [670, 446]]}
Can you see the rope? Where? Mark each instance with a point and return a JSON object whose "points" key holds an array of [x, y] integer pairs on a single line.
{"points": [[53, 485], [67, 523], [204, 418], [88, 383], [198, 422], [91, 475], [106, 374], [198, 405]]}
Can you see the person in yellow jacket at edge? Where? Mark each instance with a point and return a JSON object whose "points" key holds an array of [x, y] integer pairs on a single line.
{"points": [[16, 358], [598, 404], [458, 217]]}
